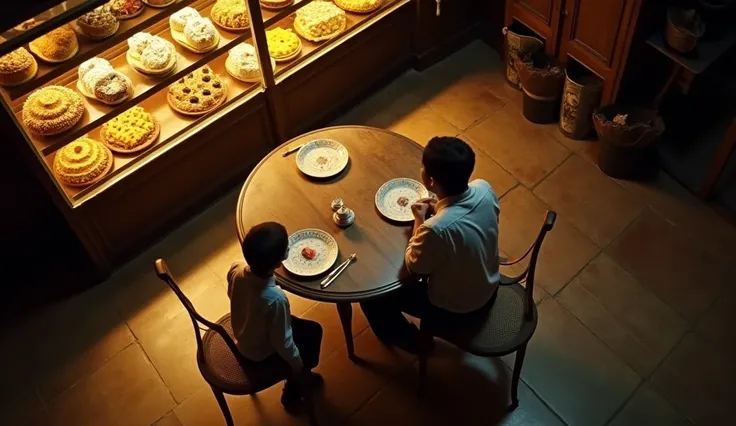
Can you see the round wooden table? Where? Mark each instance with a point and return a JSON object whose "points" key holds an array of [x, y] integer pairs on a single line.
{"points": [[277, 191]]}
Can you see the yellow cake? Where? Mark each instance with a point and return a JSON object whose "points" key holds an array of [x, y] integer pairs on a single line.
{"points": [[57, 45], [129, 130], [82, 162], [52, 110], [359, 6], [320, 20], [17, 67], [231, 14], [282, 42]]}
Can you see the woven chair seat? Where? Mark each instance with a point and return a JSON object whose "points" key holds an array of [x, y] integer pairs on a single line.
{"points": [[221, 369], [505, 327]]}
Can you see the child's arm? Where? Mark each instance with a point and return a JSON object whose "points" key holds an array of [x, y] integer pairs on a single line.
{"points": [[281, 337]]}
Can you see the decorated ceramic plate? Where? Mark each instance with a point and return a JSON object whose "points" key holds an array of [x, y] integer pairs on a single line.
{"points": [[395, 197], [322, 158], [311, 252]]}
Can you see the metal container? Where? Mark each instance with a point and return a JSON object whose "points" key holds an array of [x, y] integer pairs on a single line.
{"points": [[515, 43], [580, 98]]}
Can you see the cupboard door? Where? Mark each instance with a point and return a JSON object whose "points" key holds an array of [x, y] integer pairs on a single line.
{"points": [[541, 16]]}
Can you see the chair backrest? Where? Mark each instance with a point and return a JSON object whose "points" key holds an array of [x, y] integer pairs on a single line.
{"points": [[162, 270]]}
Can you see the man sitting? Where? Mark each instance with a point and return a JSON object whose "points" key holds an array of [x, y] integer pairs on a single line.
{"points": [[457, 249], [265, 331]]}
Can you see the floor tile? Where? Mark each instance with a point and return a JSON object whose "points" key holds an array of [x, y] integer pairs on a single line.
{"points": [[488, 170], [686, 277], [697, 378], [586, 148], [125, 391], [333, 338], [422, 124], [528, 153], [169, 419], [647, 408], [565, 250], [465, 102], [635, 324], [589, 199], [574, 372], [716, 324]]}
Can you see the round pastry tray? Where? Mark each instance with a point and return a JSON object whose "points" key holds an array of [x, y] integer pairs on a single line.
{"points": [[179, 37], [34, 66], [138, 67], [235, 76], [78, 29], [304, 34], [84, 91], [159, 6], [51, 60], [132, 15], [148, 142], [277, 6], [347, 8], [230, 29], [95, 180], [197, 113], [290, 56]]}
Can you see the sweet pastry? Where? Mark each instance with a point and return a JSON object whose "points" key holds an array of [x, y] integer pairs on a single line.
{"points": [[197, 93], [283, 44], [126, 9], [179, 19], [151, 54], [52, 110], [82, 162], [359, 6], [275, 4], [242, 63], [17, 67], [200, 35], [28, 24], [131, 131], [320, 20], [159, 3], [99, 23], [58, 45], [99, 80], [230, 14]]}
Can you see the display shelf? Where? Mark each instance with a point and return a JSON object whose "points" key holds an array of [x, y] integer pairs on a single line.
{"points": [[96, 112], [270, 16], [311, 50], [89, 48], [172, 125]]}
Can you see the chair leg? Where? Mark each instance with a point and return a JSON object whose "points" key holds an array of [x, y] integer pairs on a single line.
{"points": [[518, 363], [424, 347], [223, 406]]}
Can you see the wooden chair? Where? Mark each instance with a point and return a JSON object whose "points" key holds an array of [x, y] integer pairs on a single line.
{"points": [[221, 364], [508, 326]]}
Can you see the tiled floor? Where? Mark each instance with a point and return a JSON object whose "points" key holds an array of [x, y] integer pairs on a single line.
{"points": [[636, 289]]}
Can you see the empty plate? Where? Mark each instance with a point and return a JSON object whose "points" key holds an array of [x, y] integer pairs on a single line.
{"points": [[311, 252], [322, 158], [395, 197]]}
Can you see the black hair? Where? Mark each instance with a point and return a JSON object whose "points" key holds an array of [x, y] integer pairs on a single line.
{"points": [[264, 247], [450, 162]]}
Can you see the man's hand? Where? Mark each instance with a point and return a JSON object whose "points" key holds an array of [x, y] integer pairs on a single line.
{"points": [[419, 210]]}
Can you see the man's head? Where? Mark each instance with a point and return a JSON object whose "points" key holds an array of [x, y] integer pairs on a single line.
{"points": [[447, 164], [265, 246]]}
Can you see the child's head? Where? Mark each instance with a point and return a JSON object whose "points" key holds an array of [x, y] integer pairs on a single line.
{"points": [[447, 164], [265, 246]]}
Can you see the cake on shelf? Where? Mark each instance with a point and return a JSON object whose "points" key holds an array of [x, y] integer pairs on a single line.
{"points": [[200, 35], [99, 23], [99, 80], [242, 63], [28, 24], [126, 9], [151, 55], [17, 67], [275, 4], [283, 44], [159, 3], [320, 20], [82, 162], [230, 14], [198, 93], [55, 46], [52, 110], [179, 19], [359, 6], [131, 131]]}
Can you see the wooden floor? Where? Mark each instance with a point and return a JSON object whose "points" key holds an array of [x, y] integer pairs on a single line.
{"points": [[635, 300]]}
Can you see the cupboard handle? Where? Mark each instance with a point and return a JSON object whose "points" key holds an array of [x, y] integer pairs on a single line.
{"points": [[438, 7]]}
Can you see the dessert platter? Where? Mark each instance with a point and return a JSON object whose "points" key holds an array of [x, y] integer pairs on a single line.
{"points": [[359, 6], [52, 110], [159, 3], [132, 131], [17, 67], [82, 162], [242, 63], [126, 9], [192, 31], [98, 24], [197, 93], [283, 44], [322, 158], [395, 197], [98, 80], [28, 24], [275, 4], [320, 20], [151, 56], [56, 46], [230, 15], [311, 252]]}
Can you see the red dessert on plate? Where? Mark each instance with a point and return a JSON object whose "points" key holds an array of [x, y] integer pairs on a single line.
{"points": [[402, 201], [309, 253]]}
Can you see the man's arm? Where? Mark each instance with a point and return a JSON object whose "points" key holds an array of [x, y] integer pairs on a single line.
{"points": [[281, 337], [425, 250]]}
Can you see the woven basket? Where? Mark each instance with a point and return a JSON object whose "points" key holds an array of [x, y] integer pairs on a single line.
{"points": [[684, 29], [641, 127], [540, 75]]}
